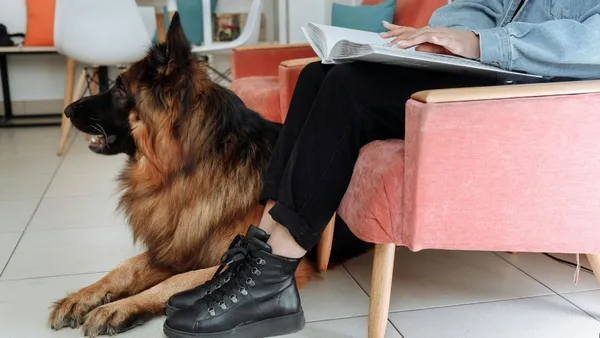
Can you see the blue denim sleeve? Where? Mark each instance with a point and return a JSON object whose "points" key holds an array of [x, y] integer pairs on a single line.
{"points": [[469, 14], [565, 48]]}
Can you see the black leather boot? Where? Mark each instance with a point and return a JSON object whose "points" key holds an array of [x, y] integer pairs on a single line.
{"points": [[260, 300], [231, 259]]}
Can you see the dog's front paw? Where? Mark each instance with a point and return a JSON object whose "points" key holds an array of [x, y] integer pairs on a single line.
{"points": [[71, 310], [116, 317]]}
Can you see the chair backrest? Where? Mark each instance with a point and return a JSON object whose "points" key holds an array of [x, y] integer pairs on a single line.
{"points": [[100, 32], [412, 13]]}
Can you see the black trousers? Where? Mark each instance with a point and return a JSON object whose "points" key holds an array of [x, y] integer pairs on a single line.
{"points": [[335, 110]]}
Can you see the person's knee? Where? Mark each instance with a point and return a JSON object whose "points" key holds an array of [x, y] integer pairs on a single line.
{"points": [[342, 72], [313, 72], [347, 76]]}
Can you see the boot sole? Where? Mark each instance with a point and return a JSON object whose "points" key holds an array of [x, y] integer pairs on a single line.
{"points": [[271, 327]]}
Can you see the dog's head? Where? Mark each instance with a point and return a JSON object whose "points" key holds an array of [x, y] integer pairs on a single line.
{"points": [[148, 103]]}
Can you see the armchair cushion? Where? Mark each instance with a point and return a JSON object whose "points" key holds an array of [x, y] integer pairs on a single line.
{"points": [[365, 18], [261, 94], [372, 204]]}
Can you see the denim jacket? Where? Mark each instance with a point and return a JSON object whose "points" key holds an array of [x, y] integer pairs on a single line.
{"points": [[554, 38]]}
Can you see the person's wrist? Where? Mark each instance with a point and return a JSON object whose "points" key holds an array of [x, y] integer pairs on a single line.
{"points": [[478, 46]]}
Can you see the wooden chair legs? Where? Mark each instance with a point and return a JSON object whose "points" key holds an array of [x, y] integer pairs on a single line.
{"points": [[381, 288], [324, 246], [595, 263], [65, 127]]}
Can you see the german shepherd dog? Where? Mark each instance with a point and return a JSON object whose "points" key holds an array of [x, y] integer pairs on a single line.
{"points": [[197, 156]]}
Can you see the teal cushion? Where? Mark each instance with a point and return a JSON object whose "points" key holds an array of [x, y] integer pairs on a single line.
{"points": [[190, 12], [364, 18]]}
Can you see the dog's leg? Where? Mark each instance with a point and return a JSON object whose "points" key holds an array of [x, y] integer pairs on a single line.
{"points": [[130, 312], [128, 278]]}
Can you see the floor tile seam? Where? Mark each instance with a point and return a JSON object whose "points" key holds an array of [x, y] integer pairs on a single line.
{"points": [[36, 208]]}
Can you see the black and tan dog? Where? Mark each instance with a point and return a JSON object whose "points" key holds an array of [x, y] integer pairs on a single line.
{"points": [[197, 156]]}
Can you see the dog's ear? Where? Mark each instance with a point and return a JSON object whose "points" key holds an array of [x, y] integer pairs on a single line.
{"points": [[178, 47]]}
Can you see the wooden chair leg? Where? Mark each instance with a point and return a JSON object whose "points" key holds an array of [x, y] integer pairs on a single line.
{"points": [[161, 31], [65, 125], [595, 263], [324, 246], [381, 288]]}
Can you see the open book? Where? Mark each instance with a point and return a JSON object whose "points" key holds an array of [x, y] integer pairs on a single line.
{"points": [[339, 45]]}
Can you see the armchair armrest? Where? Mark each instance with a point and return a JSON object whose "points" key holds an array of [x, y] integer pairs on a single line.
{"points": [[263, 60], [506, 92], [512, 168]]}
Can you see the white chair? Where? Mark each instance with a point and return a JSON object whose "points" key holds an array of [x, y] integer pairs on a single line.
{"points": [[96, 33], [250, 32]]}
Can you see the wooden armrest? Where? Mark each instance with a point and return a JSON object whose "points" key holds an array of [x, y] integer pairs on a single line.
{"points": [[507, 91], [299, 62]]}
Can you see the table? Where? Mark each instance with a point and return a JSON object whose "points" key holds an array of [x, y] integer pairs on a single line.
{"points": [[26, 120]]}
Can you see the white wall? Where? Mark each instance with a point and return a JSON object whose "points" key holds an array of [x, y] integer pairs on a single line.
{"points": [[301, 12]]}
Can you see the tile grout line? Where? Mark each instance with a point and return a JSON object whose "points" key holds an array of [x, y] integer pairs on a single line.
{"points": [[38, 204], [546, 286], [526, 274], [395, 327], [472, 303], [355, 281], [74, 227], [349, 317], [367, 294], [51, 276], [577, 306]]}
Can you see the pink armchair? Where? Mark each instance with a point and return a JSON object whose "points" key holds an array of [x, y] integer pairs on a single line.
{"points": [[510, 168]]}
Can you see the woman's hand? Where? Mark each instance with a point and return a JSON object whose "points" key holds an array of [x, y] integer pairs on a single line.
{"points": [[434, 40]]}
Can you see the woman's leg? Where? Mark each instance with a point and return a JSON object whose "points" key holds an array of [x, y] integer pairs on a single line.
{"points": [[357, 104], [307, 87]]}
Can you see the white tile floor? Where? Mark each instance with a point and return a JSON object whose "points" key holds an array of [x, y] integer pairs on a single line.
{"points": [[58, 232]]}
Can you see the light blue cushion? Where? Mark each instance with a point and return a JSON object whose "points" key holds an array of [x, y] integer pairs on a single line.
{"points": [[364, 18]]}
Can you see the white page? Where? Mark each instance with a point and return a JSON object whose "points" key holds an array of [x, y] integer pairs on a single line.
{"points": [[335, 34]]}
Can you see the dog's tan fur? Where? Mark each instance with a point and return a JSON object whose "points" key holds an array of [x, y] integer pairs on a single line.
{"points": [[183, 200]]}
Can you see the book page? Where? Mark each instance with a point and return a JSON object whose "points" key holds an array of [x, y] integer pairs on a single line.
{"points": [[335, 34]]}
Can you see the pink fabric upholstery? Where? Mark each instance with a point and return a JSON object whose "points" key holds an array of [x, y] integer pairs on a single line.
{"points": [[371, 204], [506, 175], [261, 94]]}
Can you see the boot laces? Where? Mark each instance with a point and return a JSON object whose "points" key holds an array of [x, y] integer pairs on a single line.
{"points": [[241, 280], [237, 251]]}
